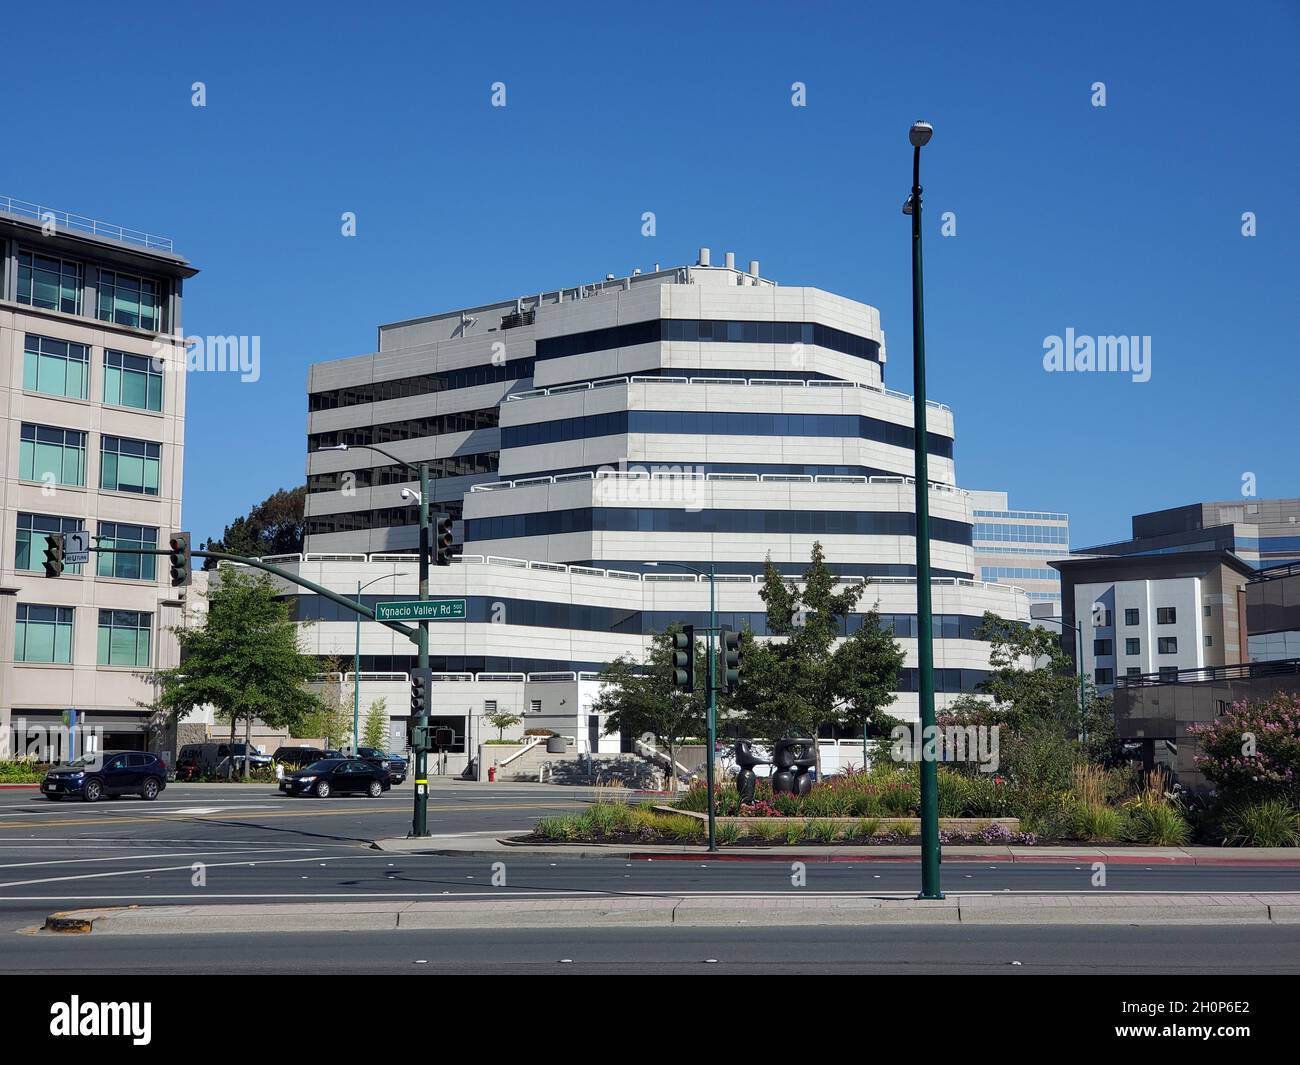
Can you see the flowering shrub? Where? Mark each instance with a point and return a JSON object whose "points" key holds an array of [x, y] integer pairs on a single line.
{"points": [[1253, 751]]}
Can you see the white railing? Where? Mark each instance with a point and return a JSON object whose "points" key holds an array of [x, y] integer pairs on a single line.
{"points": [[685, 475], [738, 382], [81, 224]]}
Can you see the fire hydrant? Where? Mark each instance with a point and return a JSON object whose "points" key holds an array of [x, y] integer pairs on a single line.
{"points": [[492, 774]]}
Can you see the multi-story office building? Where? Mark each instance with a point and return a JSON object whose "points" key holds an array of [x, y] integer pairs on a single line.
{"points": [[91, 438], [1273, 613], [1262, 532], [1153, 710], [587, 439], [1014, 546], [1156, 614]]}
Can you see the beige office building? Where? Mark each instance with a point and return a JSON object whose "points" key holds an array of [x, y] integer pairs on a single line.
{"points": [[92, 401]]}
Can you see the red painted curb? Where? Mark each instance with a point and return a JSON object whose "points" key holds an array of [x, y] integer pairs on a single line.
{"points": [[998, 859], [19, 785]]}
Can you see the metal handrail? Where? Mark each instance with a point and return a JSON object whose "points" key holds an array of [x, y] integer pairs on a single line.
{"points": [[82, 224]]}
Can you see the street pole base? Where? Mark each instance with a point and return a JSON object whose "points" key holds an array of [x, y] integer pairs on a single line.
{"points": [[930, 898], [419, 835]]}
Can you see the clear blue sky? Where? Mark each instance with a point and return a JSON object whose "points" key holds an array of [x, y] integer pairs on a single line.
{"points": [[1117, 220]]}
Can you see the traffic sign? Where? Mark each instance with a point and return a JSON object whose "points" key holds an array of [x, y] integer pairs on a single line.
{"points": [[76, 548], [422, 610]]}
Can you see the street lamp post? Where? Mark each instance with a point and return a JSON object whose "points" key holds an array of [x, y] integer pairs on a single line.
{"points": [[1077, 629], [420, 814], [712, 722], [919, 136]]}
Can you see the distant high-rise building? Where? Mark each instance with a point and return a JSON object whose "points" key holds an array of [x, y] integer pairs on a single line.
{"points": [[1014, 546]]}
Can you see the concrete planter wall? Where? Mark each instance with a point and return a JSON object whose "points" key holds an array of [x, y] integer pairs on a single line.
{"points": [[970, 825]]}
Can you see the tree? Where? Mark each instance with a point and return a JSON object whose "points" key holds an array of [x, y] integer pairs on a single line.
{"points": [[1041, 700], [1252, 752], [244, 660], [332, 718], [815, 671], [639, 697], [502, 720], [273, 527], [374, 732]]}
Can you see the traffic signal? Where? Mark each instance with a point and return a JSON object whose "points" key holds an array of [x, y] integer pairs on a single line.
{"points": [[442, 542], [53, 554], [731, 644], [684, 659], [179, 559], [419, 696]]}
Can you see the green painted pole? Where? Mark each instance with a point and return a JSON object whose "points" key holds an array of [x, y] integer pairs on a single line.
{"points": [[356, 680], [420, 816], [930, 856], [712, 729]]}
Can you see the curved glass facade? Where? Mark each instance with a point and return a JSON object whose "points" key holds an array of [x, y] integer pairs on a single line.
{"points": [[720, 423], [704, 330], [650, 519]]}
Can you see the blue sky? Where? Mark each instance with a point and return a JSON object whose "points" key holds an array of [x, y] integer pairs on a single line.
{"points": [[1117, 220]]}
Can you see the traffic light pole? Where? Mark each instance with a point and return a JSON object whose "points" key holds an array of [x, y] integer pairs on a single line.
{"points": [[713, 714], [420, 815]]}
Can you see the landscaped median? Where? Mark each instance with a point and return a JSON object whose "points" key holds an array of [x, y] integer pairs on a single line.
{"points": [[711, 911]]}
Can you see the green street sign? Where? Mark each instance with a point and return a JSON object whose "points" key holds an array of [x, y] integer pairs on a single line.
{"points": [[422, 610]]}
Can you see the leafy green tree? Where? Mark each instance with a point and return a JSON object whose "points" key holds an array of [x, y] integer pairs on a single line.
{"points": [[1045, 691], [244, 660], [503, 719], [374, 732], [331, 719], [1034, 688], [273, 527], [815, 672], [639, 697]]}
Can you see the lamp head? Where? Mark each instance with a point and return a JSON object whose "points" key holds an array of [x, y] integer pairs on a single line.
{"points": [[333, 447], [920, 134]]}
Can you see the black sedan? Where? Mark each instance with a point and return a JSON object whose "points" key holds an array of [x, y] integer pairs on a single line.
{"points": [[336, 775]]}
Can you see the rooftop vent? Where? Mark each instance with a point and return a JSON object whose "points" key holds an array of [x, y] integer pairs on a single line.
{"points": [[517, 318], [704, 257]]}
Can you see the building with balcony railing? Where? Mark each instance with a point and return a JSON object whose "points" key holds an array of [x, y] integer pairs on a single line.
{"points": [[586, 439]]}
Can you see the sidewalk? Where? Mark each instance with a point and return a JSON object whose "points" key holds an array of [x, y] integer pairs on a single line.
{"points": [[715, 911], [490, 845]]}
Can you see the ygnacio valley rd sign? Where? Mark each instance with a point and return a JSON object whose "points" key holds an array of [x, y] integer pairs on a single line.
{"points": [[422, 610]]}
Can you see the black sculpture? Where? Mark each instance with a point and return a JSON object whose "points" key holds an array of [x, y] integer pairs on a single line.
{"points": [[791, 761], [746, 759], [793, 758]]}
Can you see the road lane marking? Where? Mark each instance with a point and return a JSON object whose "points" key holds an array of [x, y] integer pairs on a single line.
{"points": [[120, 858], [336, 811]]}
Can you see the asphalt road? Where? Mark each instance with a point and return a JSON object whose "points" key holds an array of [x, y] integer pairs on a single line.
{"points": [[254, 845], [1013, 951]]}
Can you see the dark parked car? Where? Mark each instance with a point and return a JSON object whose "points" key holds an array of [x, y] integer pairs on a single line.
{"points": [[341, 775], [112, 773], [303, 756], [216, 759], [395, 764]]}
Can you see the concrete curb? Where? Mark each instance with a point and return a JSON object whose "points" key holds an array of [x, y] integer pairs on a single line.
{"points": [[689, 911], [489, 846], [9, 787]]}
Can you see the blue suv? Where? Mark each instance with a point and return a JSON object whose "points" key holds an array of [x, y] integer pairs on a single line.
{"points": [[112, 773]]}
